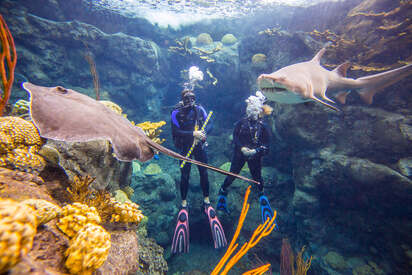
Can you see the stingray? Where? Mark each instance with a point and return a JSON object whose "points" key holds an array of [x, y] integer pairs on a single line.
{"points": [[66, 115]]}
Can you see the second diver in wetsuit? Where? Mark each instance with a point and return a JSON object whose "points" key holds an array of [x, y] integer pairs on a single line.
{"points": [[251, 138]]}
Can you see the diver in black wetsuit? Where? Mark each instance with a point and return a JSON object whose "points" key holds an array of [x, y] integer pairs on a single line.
{"points": [[251, 138], [184, 119], [187, 121]]}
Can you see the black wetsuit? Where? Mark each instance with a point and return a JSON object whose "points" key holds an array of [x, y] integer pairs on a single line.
{"points": [[183, 125], [253, 134]]}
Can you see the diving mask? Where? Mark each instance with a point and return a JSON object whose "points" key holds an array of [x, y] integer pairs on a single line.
{"points": [[189, 100]]}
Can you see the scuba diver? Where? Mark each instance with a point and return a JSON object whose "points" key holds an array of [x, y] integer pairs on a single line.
{"points": [[188, 118], [251, 138]]}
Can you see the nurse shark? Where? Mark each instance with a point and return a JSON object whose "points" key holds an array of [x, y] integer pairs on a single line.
{"points": [[308, 80]]}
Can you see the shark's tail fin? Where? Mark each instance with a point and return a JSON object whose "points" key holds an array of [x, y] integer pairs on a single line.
{"points": [[377, 82]]}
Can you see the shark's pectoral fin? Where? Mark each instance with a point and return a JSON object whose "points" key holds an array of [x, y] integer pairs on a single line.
{"points": [[325, 97], [341, 96], [324, 103]]}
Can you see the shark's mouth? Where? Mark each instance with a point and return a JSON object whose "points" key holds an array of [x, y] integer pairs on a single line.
{"points": [[280, 89], [269, 86]]}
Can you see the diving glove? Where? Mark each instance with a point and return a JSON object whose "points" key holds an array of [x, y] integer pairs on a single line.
{"points": [[247, 152]]}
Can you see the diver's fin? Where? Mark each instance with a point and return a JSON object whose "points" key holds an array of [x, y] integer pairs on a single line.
{"points": [[180, 242], [222, 203], [265, 209], [218, 233]]}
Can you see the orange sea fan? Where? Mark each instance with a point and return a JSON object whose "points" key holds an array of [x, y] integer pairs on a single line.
{"points": [[8, 54]]}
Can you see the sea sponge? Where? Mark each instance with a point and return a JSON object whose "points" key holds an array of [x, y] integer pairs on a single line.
{"points": [[125, 212], [229, 39], [19, 144], [258, 58], [204, 39], [75, 216], [88, 250], [17, 230], [45, 211], [152, 169]]}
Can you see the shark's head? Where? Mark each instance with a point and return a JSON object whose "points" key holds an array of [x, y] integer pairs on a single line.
{"points": [[279, 89]]}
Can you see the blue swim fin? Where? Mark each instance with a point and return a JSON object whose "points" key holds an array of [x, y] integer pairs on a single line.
{"points": [[180, 242], [265, 209], [222, 203]]}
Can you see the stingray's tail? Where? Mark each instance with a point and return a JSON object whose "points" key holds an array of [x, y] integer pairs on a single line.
{"points": [[175, 155]]}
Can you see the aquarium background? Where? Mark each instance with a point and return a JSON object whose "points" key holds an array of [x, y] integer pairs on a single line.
{"points": [[341, 182]]}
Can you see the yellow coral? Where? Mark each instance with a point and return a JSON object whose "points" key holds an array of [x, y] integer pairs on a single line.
{"points": [[125, 212], [17, 230], [19, 144], [45, 211], [79, 190], [88, 250], [112, 106], [152, 130], [75, 216]]}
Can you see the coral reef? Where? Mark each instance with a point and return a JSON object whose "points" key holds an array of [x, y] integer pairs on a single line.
{"points": [[204, 39], [112, 106], [21, 108], [75, 216], [88, 250], [152, 169], [17, 230], [126, 212], [8, 60], [288, 265], [19, 145], [258, 58], [229, 39], [261, 231], [44, 210], [100, 203], [152, 130], [387, 30]]}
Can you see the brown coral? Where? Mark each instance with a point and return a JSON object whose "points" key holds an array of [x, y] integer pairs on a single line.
{"points": [[17, 230], [19, 144]]}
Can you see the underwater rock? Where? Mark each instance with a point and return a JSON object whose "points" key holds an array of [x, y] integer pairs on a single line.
{"points": [[122, 255], [93, 158], [151, 259], [335, 260]]}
